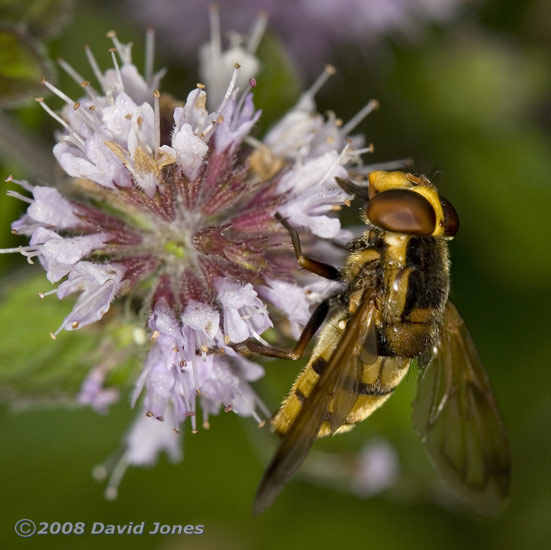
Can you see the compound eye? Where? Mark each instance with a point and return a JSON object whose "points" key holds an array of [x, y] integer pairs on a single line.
{"points": [[451, 219], [402, 211]]}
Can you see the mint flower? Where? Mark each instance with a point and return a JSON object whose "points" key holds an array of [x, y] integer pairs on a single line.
{"points": [[170, 209], [310, 29]]}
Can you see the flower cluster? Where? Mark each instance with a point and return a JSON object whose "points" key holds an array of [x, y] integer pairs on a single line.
{"points": [[308, 28], [171, 209]]}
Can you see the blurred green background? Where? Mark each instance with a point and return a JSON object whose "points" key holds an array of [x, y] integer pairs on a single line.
{"points": [[469, 102]]}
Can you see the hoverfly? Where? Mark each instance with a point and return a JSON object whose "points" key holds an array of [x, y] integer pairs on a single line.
{"points": [[394, 309]]}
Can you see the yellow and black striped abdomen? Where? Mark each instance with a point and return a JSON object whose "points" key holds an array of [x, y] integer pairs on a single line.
{"points": [[379, 379], [307, 379]]}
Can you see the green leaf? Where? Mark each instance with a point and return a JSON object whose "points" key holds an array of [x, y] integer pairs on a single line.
{"points": [[42, 18], [36, 370], [23, 63]]}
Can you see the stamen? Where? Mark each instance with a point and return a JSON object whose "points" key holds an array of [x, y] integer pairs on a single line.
{"points": [[70, 70], [195, 377], [87, 118], [112, 489], [252, 84], [29, 256], [229, 90], [257, 31], [95, 67], [265, 411], [328, 71], [194, 416], [91, 92], [18, 250], [124, 50], [337, 162], [56, 117], [364, 150], [74, 140], [112, 51], [156, 124], [149, 54], [43, 295], [57, 92], [257, 418], [359, 116], [16, 195], [204, 134], [22, 183]]}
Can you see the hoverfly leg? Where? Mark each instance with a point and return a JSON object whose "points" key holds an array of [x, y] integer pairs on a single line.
{"points": [[353, 189], [311, 327], [319, 268]]}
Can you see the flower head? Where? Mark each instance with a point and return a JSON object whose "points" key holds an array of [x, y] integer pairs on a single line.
{"points": [[171, 211], [309, 28]]}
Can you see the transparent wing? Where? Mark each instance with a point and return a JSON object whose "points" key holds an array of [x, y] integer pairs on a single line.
{"points": [[331, 399], [456, 416]]}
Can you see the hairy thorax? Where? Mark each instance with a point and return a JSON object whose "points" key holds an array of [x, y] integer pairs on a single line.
{"points": [[410, 275]]}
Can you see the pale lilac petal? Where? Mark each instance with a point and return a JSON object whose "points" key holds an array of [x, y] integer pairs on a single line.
{"points": [[235, 126], [245, 315], [193, 112], [98, 163], [148, 437], [59, 255], [190, 150], [141, 129], [118, 118], [98, 285], [292, 136], [307, 212], [318, 172], [202, 319], [296, 301], [134, 84], [94, 394], [226, 383], [50, 208]]}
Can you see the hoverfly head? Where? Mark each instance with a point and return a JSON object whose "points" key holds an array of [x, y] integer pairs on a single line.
{"points": [[409, 204]]}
